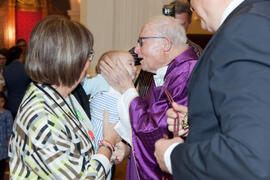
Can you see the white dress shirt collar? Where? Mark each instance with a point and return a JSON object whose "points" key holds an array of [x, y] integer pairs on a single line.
{"points": [[233, 5], [159, 77]]}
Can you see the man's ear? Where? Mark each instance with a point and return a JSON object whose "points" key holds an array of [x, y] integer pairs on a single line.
{"points": [[167, 44]]}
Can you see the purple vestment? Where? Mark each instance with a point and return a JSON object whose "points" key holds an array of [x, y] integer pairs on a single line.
{"points": [[148, 117]]}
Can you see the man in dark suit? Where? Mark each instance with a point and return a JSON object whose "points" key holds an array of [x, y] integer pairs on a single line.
{"points": [[16, 79], [229, 99]]}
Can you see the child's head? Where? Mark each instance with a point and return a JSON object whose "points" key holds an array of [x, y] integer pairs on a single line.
{"points": [[123, 56], [2, 99]]}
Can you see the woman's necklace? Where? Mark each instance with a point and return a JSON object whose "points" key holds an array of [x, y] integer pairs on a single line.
{"points": [[80, 117], [75, 111]]}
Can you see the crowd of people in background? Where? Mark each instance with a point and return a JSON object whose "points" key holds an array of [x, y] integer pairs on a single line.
{"points": [[13, 84]]}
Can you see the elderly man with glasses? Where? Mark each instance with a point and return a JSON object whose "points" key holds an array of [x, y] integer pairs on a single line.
{"points": [[164, 52]]}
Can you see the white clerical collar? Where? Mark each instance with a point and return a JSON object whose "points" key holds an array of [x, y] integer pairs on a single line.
{"points": [[159, 77], [233, 5]]}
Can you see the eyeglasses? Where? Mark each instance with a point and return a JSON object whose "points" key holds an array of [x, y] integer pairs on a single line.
{"points": [[140, 40], [91, 55]]}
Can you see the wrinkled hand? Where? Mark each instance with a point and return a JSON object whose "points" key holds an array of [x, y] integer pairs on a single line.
{"points": [[172, 113], [122, 150], [116, 74], [160, 147], [109, 133]]}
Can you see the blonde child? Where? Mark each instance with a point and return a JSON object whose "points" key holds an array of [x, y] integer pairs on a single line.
{"points": [[103, 96]]}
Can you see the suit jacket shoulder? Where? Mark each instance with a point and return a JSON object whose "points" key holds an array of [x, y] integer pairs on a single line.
{"points": [[229, 102]]}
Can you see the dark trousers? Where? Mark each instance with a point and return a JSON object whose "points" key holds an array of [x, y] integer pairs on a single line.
{"points": [[2, 168]]}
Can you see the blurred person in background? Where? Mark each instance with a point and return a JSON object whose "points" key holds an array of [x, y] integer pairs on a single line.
{"points": [[3, 60], [16, 79], [22, 44], [6, 122], [182, 11]]}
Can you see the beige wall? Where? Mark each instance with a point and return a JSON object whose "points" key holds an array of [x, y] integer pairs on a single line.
{"points": [[116, 24]]}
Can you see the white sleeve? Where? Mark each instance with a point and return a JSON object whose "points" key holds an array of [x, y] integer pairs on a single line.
{"points": [[123, 127], [167, 157], [104, 161]]}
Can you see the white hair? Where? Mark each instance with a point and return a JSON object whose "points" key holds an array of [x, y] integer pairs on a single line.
{"points": [[171, 28]]}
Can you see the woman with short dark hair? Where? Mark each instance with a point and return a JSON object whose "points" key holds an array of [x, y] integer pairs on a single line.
{"points": [[52, 137]]}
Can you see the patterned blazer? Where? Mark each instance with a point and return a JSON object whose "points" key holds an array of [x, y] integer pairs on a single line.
{"points": [[48, 142]]}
